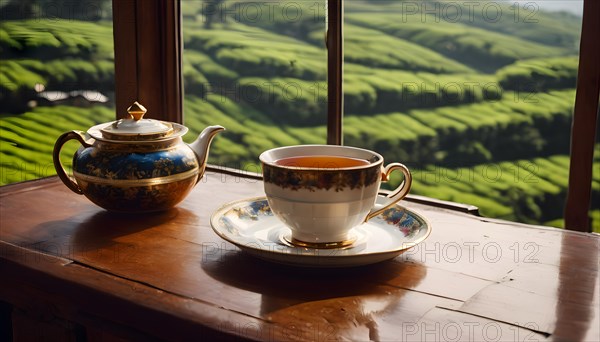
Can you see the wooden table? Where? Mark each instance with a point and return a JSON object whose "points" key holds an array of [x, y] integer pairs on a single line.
{"points": [[72, 271]]}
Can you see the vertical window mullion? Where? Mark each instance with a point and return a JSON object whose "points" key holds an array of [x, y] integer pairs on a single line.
{"points": [[125, 41], [148, 50], [335, 70], [585, 118]]}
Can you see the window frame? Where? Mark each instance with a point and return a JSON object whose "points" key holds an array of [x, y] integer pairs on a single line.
{"points": [[148, 44], [148, 50], [585, 120], [335, 72], [148, 68]]}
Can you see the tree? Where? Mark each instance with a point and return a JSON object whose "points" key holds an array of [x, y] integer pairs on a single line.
{"points": [[210, 10], [90, 10]]}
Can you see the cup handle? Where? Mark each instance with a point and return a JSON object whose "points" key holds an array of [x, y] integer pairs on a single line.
{"points": [[60, 170], [399, 193]]}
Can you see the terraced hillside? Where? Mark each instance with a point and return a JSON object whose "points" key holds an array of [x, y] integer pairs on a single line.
{"points": [[27, 140], [524, 190], [479, 109]]}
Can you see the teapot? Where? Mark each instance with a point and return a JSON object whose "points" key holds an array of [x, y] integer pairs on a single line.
{"points": [[135, 164]]}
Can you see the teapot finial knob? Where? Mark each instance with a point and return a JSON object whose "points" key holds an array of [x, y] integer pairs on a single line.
{"points": [[137, 111]]}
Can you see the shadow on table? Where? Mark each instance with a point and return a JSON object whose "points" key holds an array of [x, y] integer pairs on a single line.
{"points": [[104, 228], [283, 286], [94, 235]]}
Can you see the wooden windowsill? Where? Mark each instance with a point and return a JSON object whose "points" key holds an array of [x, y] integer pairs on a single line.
{"points": [[72, 269]]}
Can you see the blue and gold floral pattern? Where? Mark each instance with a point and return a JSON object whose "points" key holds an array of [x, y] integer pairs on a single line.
{"points": [[400, 218], [137, 179], [267, 238], [137, 198], [115, 165], [144, 166], [320, 179], [254, 210], [397, 216]]}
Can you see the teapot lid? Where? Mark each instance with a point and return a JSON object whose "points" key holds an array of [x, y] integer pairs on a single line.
{"points": [[136, 127]]}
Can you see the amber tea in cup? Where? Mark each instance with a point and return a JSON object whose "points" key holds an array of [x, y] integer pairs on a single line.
{"points": [[322, 191], [322, 162]]}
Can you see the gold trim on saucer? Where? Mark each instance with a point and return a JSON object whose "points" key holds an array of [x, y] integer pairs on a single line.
{"points": [[267, 237], [320, 245]]}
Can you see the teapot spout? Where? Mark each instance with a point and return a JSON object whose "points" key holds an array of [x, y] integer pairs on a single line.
{"points": [[201, 145]]}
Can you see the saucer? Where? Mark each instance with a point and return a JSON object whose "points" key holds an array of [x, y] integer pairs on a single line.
{"points": [[251, 225]]}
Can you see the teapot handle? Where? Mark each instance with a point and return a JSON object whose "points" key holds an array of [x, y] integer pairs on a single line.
{"points": [[60, 170]]}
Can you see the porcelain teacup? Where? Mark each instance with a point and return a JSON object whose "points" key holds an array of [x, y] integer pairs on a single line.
{"points": [[322, 191]]}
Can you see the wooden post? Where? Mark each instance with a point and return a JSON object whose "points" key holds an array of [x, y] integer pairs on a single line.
{"points": [[584, 121], [335, 71], [148, 49]]}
